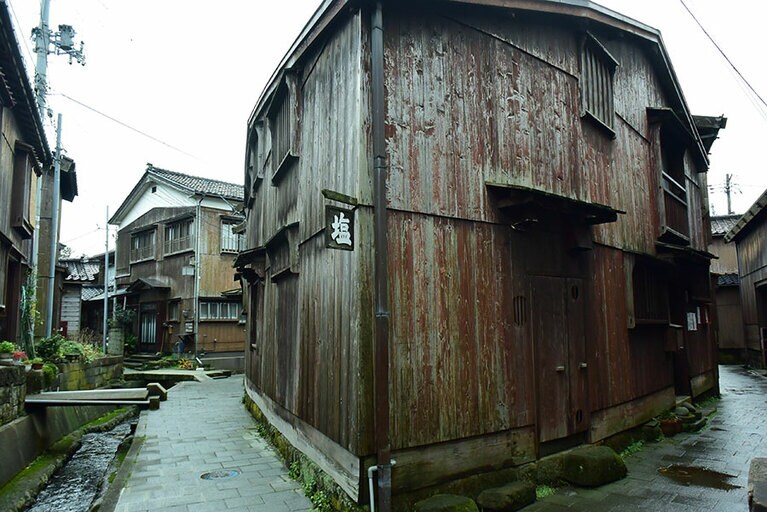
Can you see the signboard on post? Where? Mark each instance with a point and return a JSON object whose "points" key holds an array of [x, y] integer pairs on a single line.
{"points": [[339, 228]]}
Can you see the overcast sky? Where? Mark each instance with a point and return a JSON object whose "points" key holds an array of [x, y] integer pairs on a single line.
{"points": [[188, 73]]}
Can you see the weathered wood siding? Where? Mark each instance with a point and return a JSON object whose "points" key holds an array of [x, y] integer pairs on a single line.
{"points": [[312, 338], [752, 262]]}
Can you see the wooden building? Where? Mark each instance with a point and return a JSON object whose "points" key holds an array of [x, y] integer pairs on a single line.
{"points": [[173, 226], [749, 235], [24, 155], [724, 272], [476, 234]]}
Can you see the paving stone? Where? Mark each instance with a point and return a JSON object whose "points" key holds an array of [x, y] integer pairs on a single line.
{"points": [[204, 427], [727, 444]]}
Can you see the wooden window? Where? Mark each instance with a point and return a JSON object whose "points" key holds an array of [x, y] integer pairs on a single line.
{"points": [[23, 167], [220, 310], [597, 71], [282, 126], [179, 236], [231, 241], [174, 308], [651, 299], [142, 246], [674, 182]]}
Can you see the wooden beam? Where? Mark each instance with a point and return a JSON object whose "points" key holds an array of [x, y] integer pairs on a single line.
{"points": [[613, 420]]}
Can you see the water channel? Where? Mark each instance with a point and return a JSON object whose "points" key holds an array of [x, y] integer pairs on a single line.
{"points": [[79, 482]]}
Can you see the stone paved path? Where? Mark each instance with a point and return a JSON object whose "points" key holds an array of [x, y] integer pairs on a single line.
{"points": [[736, 434], [204, 427]]}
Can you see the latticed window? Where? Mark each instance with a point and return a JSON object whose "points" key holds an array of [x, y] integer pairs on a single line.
{"points": [[597, 70], [231, 241], [219, 310], [281, 131], [179, 236], [142, 245]]}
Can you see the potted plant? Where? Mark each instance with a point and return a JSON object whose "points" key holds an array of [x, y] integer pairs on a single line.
{"points": [[6, 353], [37, 363]]}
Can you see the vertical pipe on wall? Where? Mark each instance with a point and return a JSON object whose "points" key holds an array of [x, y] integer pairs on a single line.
{"points": [[380, 218]]}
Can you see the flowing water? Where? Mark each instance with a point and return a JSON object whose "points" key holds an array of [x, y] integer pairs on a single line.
{"points": [[78, 483]]}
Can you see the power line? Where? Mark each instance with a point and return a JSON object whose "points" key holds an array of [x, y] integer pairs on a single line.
{"points": [[23, 39], [723, 54], [121, 123]]}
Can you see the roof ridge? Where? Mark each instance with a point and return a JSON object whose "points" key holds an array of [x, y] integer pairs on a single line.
{"points": [[151, 168]]}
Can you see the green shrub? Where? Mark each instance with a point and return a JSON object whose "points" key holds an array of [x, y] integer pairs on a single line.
{"points": [[7, 346], [50, 371], [49, 348]]}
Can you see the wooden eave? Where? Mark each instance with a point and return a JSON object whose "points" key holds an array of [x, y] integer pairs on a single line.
{"points": [[748, 220], [18, 89], [683, 252], [517, 199], [669, 118]]}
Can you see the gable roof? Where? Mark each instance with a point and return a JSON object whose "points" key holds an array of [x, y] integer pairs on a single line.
{"points": [[748, 220], [16, 91], [192, 185], [584, 12], [721, 224]]}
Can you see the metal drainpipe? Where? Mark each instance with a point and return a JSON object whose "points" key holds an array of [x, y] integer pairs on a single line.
{"points": [[381, 351]]}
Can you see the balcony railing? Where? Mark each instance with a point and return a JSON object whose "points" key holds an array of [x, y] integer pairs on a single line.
{"points": [[675, 202]]}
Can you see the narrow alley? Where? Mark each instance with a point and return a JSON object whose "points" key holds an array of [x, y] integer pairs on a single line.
{"points": [[200, 452]]}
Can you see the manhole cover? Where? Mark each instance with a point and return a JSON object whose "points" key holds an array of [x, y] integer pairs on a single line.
{"points": [[221, 474]]}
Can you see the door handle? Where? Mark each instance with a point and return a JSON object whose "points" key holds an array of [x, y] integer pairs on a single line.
{"points": [[560, 368], [584, 366]]}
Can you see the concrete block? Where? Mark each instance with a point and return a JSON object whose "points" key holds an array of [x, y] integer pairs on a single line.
{"points": [[156, 389]]}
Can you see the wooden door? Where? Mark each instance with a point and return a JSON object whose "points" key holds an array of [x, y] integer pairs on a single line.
{"points": [[557, 330]]}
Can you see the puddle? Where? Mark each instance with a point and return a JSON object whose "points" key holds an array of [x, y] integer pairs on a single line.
{"points": [[701, 477]]}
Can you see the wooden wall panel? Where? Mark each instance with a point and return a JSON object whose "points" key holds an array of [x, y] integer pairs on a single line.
{"points": [[458, 370]]}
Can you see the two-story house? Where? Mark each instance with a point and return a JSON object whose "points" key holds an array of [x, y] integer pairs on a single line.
{"points": [[476, 234], [24, 154], [176, 244]]}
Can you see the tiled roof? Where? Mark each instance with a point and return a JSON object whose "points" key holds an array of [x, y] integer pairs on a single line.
{"points": [[728, 280], [88, 292], [722, 224], [198, 184], [81, 270]]}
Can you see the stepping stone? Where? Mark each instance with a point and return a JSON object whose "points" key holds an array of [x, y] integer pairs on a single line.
{"points": [[757, 485], [509, 498], [592, 466], [446, 503]]}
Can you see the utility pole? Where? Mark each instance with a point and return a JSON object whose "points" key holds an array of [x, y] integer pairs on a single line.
{"points": [[728, 192], [54, 231], [106, 281], [198, 231], [63, 43]]}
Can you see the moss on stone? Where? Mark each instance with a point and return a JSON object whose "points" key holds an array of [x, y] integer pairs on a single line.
{"points": [[446, 503]]}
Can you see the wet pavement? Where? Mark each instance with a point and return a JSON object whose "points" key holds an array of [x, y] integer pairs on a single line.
{"points": [[703, 471], [201, 452]]}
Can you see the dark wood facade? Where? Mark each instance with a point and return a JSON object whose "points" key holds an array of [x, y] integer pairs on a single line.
{"points": [[750, 238], [24, 156], [547, 273]]}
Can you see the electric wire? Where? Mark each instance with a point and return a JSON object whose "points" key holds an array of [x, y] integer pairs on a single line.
{"points": [[126, 125], [732, 65]]}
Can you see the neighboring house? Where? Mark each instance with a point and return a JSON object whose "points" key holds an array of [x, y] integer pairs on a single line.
{"points": [[82, 304], [24, 155], [724, 271], [49, 238], [749, 235], [159, 252], [532, 275]]}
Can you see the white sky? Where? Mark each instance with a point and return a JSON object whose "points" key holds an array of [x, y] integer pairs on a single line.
{"points": [[188, 73]]}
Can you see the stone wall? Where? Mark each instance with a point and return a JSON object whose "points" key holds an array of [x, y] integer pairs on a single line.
{"points": [[98, 374], [13, 391]]}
